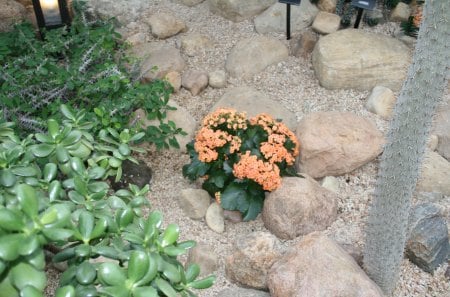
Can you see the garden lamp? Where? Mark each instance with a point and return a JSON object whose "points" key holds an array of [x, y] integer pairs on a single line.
{"points": [[51, 13]]}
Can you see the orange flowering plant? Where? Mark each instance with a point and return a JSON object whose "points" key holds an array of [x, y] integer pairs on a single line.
{"points": [[240, 159]]}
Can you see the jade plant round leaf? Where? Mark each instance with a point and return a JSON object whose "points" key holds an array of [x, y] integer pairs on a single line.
{"points": [[111, 274], [66, 291], [24, 274], [137, 265]]}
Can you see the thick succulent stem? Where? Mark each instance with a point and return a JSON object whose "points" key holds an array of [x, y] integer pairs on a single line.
{"points": [[386, 229]]}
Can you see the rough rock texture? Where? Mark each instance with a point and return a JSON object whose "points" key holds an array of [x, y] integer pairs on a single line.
{"points": [[252, 258], [427, 245], [303, 44], [381, 101], [203, 255], [319, 267], [125, 11], [164, 25], [354, 59], [195, 43], [274, 18], [327, 5], [298, 207], [252, 55], [435, 174], [180, 117], [401, 12], [334, 143], [237, 10], [254, 102], [11, 12], [194, 81], [242, 292], [330, 183], [442, 129], [189, 3], [214, 218], [217, 79], [194, 202], [326, 23], [174, 78], [165, 58]]}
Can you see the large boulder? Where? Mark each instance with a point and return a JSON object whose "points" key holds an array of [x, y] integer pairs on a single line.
{"points": [[254, 102], [11, 12], [300, 206], [125, 11], [316, 267], [238, 10], [335, 143], [165, 25], [252, 258], [274, 18], [435, 174], [252, 55], [157, 60], [355, 59]]}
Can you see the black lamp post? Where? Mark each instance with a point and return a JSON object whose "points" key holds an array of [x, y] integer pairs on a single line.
{"points": [[288, 15], [51, 13]]}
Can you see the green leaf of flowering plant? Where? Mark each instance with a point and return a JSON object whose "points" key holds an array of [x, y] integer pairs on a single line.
{"points": [[203, 283]]}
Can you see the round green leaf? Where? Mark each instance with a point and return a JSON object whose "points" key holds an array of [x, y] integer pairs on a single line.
{"points": [[77, 165], [66, 291], [171, 272], [30, 291], [29, 245], [62, 154], [99, 228], [96, 187], [202, 283], [24, 274], [9, 246], [37, 259], [72, 138], [6, 288], [49, 172], [114, 162], [24, 171], [64, 255], [27, 199], [188, 244], [57, 234], [7, 178], [124, 149], [2, 266], [81, 151], [155, 219], [165, 287], [124, 217], [192, 272], [53, 128], [49, 216], [137, 265], [42, 150], [96, 172], [86, 273], [83, 251], [151, 271], [111, 274], [10, 220], [170, 235], [145, 292], [54, 190], [85, 224], [174, 251]]}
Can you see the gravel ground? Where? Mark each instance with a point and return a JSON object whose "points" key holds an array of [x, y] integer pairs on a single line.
{"points": [[293, 84]]}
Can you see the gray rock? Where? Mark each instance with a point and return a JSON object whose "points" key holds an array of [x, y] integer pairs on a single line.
{"points": [[165, 25], [274, 18], [125, 11], [194, 203], [381, 101], [242, 292], [355, 251], [174, 79], [330, 183], [433, 142], [354, 59], [194, 81], [195, 43], [11, 12], [217, 79], [400, 13], [254, 102], [316, 267], [203, 255], [335, 143], [442, 128], [214, 218], [433, 197], [252, 258], [327, 5], [237, 10], [234, 216], [189, 3], [326, 23], [428, 243], [136, 174], [298, 207], [252, 55], [303, 44], [435, 174], [157, 60]]}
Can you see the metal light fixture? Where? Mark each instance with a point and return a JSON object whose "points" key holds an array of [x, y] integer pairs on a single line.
{"points": [[51, 13]]}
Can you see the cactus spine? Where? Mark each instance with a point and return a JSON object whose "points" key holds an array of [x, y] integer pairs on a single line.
{"points": [[386, 228]]}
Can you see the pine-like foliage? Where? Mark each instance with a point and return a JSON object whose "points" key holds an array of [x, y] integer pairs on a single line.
{"points": [[386, 228]]}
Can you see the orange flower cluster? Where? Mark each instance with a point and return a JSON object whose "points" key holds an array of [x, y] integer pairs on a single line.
{"points": [[233, 119], [417, 16], [207, 140], [264, 173], [274, 149]]}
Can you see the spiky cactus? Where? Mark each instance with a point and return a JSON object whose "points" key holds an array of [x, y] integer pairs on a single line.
{"points": [[386, 228]]}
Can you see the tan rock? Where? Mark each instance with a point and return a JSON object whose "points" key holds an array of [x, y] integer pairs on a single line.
{"points": [[298, 207], [327, 5], [335, 143], [174, 78], [194, 81], [218, 79], [195, 43], [401, 12], [354, 59], [251, 259], [435, 174], [214, 218], [203, 255], [11, 12], [303, 44], [326, 23], [189, 3], [381, 101], [237, 10], [317, 266], [194, 203], [164, 25]]}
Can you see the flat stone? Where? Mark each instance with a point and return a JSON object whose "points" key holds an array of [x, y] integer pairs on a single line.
{"points": [[252, 55], [274, 18], [194, 203], [237, 10], [326, 23], [435, 174], [381, 101], [428, 244], [254, 102], [203, 255], [195, 43], [354, 59], [217, 79], [194, 81], [165, 25], [214, 218]]}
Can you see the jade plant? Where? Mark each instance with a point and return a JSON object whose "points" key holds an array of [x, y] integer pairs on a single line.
{"points": [[53, 195]]}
